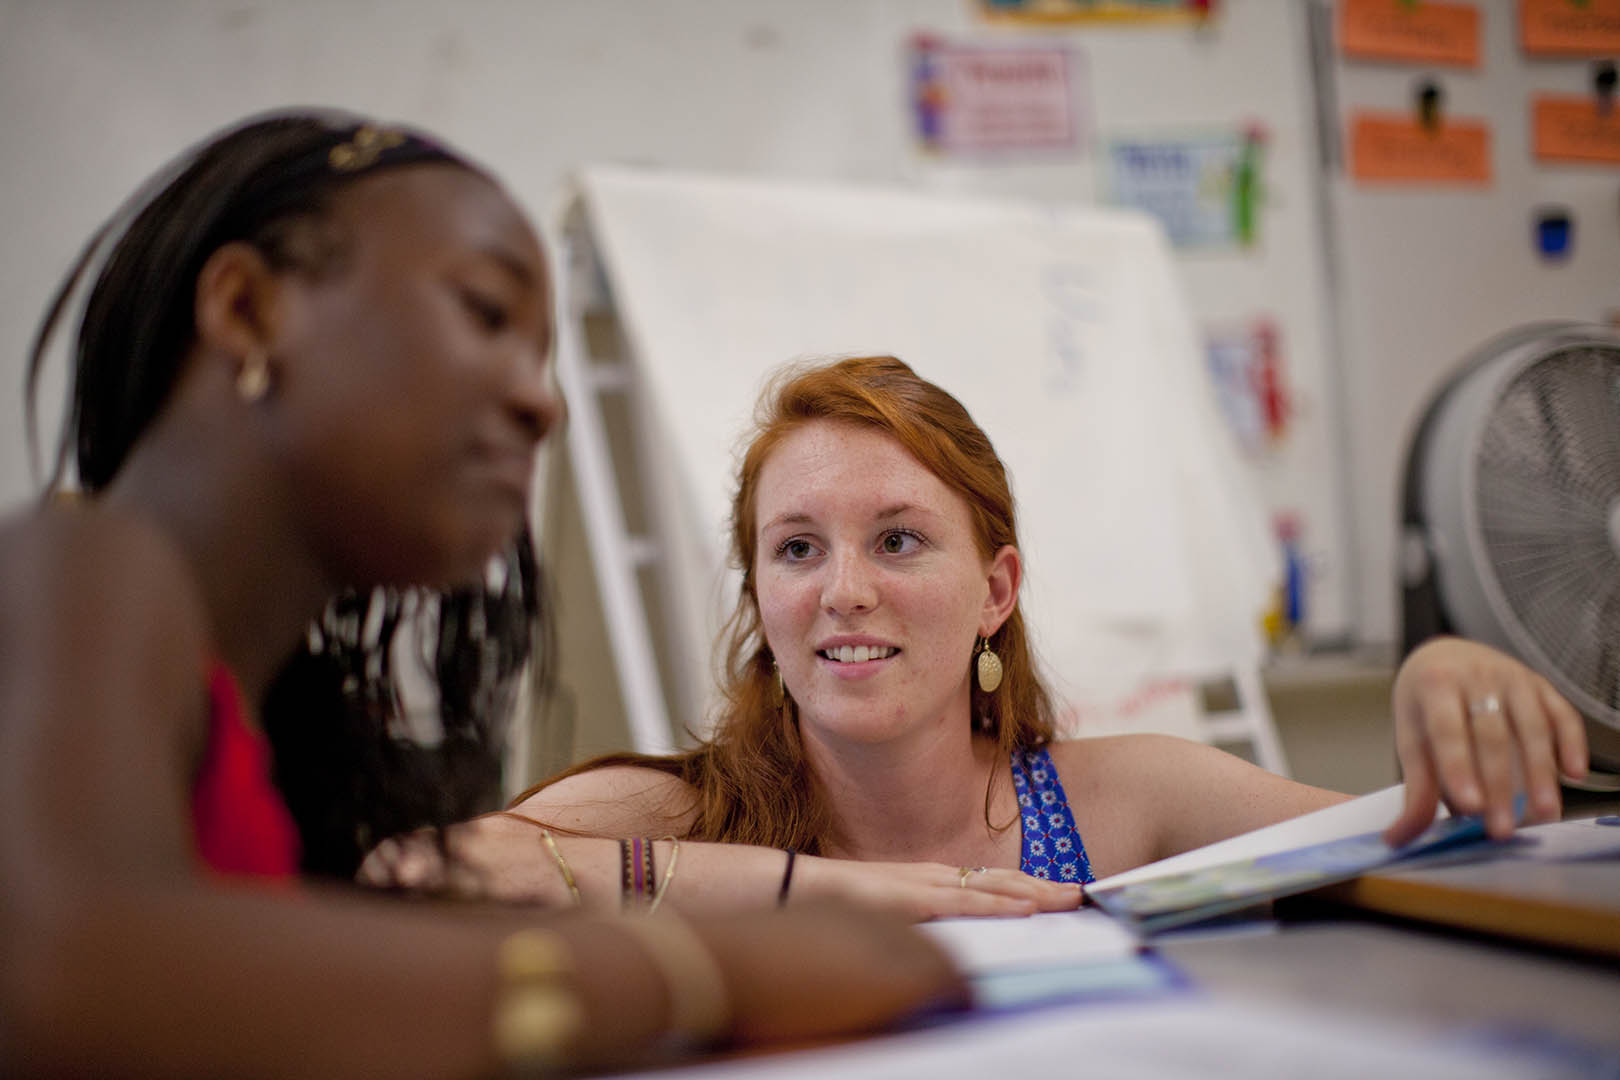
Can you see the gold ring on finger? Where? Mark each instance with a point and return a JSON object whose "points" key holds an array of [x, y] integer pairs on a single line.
{"points": [[965, 872]]}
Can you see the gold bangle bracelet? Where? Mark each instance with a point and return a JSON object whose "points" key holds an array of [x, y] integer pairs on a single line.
{"points": [[699, 1004], [556, 853], [562, 865], [669, 875], [537, 1012]]}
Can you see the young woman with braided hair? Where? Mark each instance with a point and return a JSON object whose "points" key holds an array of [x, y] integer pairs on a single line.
{"points": [[308, 387]]}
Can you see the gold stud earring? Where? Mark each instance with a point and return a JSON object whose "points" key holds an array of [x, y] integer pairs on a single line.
{"points": [[253, 379], [988, 667]]}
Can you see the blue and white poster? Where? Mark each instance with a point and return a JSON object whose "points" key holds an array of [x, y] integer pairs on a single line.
{"points": [[1203, 189]]}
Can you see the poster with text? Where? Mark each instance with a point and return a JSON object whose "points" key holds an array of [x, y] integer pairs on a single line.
{"points": [[976, 100], [1402, 32], [1398, 148], [1570, 28], [1204, 189]]}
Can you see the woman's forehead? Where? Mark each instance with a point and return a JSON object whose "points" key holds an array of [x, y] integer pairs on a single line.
{"points": [[441, 205], [829, 466]]}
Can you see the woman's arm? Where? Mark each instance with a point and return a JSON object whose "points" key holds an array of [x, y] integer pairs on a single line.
{"points": [[1141, 798], [505, 856], [122, 957], [1472, 725]]}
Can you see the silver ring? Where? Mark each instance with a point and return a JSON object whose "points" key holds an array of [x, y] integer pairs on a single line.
{"points": [[1486, 705]]}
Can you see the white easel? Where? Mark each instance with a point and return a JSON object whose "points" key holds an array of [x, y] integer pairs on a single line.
{"points": [[621, 558]]}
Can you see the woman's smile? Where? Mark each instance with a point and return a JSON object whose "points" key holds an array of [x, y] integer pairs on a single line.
{"points": [[857, 657]]}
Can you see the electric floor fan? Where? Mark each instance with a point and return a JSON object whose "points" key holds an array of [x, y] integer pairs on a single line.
{"points": [[1511, 516]]}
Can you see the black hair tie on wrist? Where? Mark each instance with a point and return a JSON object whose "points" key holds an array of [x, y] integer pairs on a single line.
{"points": [[787, 878]]}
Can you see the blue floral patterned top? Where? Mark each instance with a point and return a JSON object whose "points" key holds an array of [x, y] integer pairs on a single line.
{"points": [[1052, 847]]}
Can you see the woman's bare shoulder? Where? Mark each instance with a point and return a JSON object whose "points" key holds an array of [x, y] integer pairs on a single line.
{"points": [[1185, 793], [101, 618], [84, 538], [615, 800], [1125, 758], [103, 641]]}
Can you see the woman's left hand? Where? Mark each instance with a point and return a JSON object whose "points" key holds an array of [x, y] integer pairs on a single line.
{"points": [[1476, 727], [496, 857]]}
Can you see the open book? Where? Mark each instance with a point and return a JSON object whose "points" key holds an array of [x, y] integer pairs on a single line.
{"points": [[1311, 851]]}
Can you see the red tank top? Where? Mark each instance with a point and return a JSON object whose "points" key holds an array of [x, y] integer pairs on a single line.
{"points": [[241, 824]]}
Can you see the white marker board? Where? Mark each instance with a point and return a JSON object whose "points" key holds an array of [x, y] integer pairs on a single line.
{"points": [[1065, 334]]}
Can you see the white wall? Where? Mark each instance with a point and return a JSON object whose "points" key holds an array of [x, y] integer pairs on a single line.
{"points": [[1427, 275], [97, 94]]}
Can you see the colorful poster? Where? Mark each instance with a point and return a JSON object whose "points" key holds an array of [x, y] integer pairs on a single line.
{"points": [[1569, 27], [1402, 31], [1075, 11], [1245, 366], [1397, 147], [1204, 189], [990, 99], [1575, 130]]}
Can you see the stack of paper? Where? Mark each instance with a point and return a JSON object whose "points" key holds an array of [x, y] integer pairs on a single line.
{"points": [[1054, 956]]}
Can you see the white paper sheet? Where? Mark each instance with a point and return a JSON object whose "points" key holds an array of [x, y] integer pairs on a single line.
{"points": [[1051, 939], [1181, 1038]]}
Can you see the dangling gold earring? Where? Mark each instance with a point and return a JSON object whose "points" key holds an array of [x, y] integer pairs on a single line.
{"points": [[779, 689], [253, 380], [988, 667]]}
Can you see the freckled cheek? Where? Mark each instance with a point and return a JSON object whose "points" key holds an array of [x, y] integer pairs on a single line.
{"points": [[786, 613]]}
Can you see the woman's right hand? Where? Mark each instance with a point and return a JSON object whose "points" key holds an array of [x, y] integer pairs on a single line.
{"points": [[930, 890]]}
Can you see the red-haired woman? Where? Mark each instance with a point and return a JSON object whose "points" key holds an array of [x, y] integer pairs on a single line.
{"points": [[881, 702]]}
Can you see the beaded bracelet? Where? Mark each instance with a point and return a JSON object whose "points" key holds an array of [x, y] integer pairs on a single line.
{"points": [[644, 859], [537, 1012], [636, 874]]}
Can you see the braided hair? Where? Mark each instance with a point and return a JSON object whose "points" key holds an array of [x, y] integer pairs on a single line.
{"points": [[353, 765]]}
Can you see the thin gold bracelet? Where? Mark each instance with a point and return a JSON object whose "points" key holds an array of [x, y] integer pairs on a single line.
{"points": [[562, 865], [556, 853], [669, 875], [537, 1014]]}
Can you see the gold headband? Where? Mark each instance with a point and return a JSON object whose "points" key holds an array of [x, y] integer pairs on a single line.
{"points": [[362, 150]]}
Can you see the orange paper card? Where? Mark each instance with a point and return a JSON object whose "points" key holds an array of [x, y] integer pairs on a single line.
{"points": [[1415, 33], [1570, 27], [1573, 129], [1395, 147]]}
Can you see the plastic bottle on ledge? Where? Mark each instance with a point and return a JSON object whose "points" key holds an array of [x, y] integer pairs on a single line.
{"points": [[1284, 620]]}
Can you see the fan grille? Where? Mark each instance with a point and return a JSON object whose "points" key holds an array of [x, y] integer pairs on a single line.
{"points": [[1548, 477]]}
